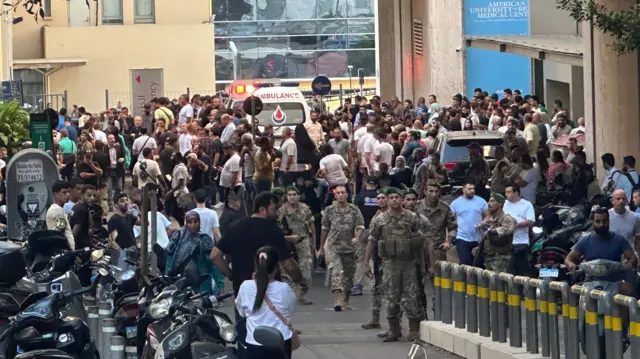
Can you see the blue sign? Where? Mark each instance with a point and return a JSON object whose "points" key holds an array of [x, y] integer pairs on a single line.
{"points": [[12, 91], [494, 71], [321, 85]]}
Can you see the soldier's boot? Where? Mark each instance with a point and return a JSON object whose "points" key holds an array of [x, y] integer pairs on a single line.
{"points": [[338, 301], [375, 321], [345, 300], [414, 329], [302, 299], [395, 332]]}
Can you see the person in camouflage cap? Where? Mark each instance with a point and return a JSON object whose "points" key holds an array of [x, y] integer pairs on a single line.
{"points": [[398, 234], [497, 236], [342, 224], [296, 219], [378, 287]]}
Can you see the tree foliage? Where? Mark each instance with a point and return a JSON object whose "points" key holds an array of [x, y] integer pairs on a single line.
{"points": [[623, 25], [14, 124]]}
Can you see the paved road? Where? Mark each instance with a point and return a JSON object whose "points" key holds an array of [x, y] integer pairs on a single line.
{"points": [[330, 335]]}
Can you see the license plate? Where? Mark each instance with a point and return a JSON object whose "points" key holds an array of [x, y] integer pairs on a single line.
{"points": [[549, 273], [132, 332]]}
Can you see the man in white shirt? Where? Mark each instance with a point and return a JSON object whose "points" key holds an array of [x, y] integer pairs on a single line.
{"points": [[614, 179], [186, 110], [56, 218], [146, 171], [522, 211], [98, 134], [289, 151], [209, 222], [229, 127], [624, 222], [186, 139], [142, 142], [333, 167], [231, 176], [629, 168], [366, 158], [580, 127], [383, 152], [528, 179]]}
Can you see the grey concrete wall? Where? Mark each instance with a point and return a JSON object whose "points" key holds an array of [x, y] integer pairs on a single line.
{"points": [[387, 45], [547, 19]]}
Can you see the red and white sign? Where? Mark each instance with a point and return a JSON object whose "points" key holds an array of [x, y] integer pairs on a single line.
{"points": [[278, 117]]}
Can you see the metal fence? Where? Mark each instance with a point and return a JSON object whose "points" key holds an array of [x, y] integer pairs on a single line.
{"points": [[113, 98], [491, 305], [40, 102]]}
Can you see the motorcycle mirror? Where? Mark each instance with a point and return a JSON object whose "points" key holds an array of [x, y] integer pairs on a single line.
{"points": [[103, 272], [269, 337], [97, 254], [536, 230]]}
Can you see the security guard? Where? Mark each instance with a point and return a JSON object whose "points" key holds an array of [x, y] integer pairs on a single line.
{"points": [[498, 228]]}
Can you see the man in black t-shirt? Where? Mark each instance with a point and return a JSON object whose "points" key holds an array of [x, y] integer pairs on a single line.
{"points": [[121, 224], [200, 166], [166, 163], [88, 170], [366, 200], [81, 222]]}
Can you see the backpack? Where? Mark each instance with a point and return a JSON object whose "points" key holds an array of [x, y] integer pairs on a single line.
{"points": [[635, 186]]}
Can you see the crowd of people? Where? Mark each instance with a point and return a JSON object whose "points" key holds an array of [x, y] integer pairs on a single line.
{"points": [[358, 191]]}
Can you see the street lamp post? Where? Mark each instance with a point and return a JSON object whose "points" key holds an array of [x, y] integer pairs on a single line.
{"points": [[350, 67]]}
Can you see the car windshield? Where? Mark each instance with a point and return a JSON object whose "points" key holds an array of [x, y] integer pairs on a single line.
{"points": [[455, 153]]}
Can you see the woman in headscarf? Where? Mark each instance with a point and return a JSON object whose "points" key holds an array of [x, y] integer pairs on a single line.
{"points": [[190, 247], [401, 174], [307, 151]]}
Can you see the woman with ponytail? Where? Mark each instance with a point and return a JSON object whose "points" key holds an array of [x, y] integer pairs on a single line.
{"points": [[264, 301]]}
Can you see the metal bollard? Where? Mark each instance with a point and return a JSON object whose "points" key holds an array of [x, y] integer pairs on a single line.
{"points": [[116, 347], [458, 295], [565, 294], [104, 312], [92, 321], [544, 315], [515, 312], [616, 323], [573, 341], [634, 327], [483, 303], [532, 313], [591, 326], [502, 307], [604, 300], [472, 299], [445, 284], [437, 293], [554, 340], [108, 330], [130, 352], [493, 296]]}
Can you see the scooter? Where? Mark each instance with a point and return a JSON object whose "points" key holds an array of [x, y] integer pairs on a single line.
{"points": [[271, 338], [595, 273], [41, 331]]}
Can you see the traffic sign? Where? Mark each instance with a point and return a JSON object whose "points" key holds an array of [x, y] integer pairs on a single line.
{"points": [[361, 76], [252, 105], [321, 85]]}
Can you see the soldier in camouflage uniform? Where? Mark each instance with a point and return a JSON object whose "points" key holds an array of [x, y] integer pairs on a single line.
{"points": [[378, 288], [300, 223], [442, 226], [398, 233], [342, 224], [497, 228]]}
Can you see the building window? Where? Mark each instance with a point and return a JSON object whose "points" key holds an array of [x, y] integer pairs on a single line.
{"points": [[32, 87], [112, 11], [46, 6], [145, 12]]}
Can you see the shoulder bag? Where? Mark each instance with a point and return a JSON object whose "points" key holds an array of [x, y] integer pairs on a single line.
{"points": [[295, 339]]}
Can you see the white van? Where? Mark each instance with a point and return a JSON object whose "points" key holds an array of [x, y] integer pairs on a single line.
{"points": [[282, 107]]}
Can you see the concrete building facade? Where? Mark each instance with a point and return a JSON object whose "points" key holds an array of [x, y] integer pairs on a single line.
{"points": [[87, 50], [424, 54]]}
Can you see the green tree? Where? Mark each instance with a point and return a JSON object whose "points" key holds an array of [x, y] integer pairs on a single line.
{"points": [[14, 124], [623, 24]]}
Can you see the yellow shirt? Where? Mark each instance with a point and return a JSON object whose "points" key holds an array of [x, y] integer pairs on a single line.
{"points": [[315, 132], [165, 114], [531, 134]]}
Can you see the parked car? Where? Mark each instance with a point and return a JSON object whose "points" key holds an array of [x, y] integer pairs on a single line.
{"points": [[454, 155]]}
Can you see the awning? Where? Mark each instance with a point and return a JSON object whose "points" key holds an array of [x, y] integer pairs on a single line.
{"points": [[48, 66], [566, 49]]}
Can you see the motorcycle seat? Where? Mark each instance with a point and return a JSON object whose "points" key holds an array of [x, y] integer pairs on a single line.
{"points": [[44, 354], [126, 299]]}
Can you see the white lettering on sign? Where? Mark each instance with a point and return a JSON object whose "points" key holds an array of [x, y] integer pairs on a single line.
{"points": [[276, 96], [29, 171]]}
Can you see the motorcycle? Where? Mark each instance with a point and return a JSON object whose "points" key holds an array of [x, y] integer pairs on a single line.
{"points": [[596, 276], [40, 330], [178, 299], [271, 338]]}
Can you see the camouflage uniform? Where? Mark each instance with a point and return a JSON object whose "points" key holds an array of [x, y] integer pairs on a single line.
{"points": [[441, 224], [496, 247], [378, 287], [298, 220], [400, 240], [340, 252]]}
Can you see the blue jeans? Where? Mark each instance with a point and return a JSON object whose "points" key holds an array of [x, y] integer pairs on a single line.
{"points": [[464, 248]]}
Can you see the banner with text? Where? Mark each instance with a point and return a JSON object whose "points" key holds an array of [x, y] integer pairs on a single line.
{"points": [[491, 70]]}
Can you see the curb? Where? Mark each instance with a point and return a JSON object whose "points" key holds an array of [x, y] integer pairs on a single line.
{"points": [[469, 345]]}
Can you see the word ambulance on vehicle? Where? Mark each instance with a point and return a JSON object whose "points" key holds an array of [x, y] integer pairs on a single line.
{"points": [[283, 103]]}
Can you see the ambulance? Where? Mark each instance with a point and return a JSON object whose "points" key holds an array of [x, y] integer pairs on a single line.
{"points": [[284, 104]]}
